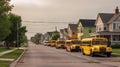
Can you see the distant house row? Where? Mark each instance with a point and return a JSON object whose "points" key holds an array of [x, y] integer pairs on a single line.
{"points": [[78, 31], [105, 25]]}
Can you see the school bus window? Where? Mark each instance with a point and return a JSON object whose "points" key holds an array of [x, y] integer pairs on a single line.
{"points": [[61, 42], [68, 43], [99, 42], [86, 43]]}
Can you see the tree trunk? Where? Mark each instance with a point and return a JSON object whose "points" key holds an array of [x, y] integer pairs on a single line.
{"points": [[7, 44]]}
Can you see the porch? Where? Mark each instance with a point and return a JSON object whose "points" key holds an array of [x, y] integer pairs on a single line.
{"points": [[113, 37]]}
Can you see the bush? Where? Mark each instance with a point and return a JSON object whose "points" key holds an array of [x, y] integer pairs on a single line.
{"points": [[115, 46]]}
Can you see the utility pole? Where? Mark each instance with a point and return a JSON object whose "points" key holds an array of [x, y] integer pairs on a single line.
{"points": [[17, 37], [56, 28]]}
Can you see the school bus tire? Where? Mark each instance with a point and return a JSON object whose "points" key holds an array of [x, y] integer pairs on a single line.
{"points": [[108, 54], [83, 52], [92, 54]]}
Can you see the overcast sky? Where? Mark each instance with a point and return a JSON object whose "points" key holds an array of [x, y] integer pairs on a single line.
{"points": [[59, 11]]}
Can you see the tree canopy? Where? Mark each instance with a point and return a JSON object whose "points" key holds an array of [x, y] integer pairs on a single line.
{"points": [[5, 8], [11, 29], [17, 30]]}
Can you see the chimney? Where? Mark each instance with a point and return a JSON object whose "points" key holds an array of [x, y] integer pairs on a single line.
{"points": [[116, 10]]}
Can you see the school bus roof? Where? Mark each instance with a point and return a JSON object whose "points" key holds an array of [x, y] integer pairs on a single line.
{"points": [[59, 40], [72, 40], [89, 39], [68, 40]]}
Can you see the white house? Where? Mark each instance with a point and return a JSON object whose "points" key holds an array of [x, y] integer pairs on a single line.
{"points": [[108, 26]]}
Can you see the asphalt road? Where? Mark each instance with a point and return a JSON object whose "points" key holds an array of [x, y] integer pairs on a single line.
{"points": [[43, 56]]}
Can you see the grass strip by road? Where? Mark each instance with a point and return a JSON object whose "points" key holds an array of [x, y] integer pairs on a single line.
{"points": [[13, 55], [5, 63], [2, 49], [116, 52]]}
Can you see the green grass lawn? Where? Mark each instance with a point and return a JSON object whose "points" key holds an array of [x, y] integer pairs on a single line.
{"points": [[13, 55], [5, 63], [116, 52], [4, 49]]}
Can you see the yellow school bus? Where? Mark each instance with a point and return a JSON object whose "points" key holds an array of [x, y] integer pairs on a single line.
{"points": [[60, 44], [52, 43], [92, 46], [48, 43], [72, 45]]}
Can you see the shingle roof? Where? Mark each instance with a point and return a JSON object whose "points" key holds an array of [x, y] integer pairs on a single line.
{"points": [[105, 17], [66, 30], [87, 22], [50, 33], [73, 27], [114, 18]]}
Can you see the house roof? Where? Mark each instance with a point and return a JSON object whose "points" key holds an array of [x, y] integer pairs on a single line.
{"points": [[114, 18], [105, 17], [73, 27], [50, 33], [66, 30], [87, 22]]}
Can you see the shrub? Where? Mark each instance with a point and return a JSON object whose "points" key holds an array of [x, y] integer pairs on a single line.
{"points": [[115, 46]]}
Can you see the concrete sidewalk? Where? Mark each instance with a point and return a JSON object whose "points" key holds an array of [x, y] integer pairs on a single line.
{"points": [[6, 59], [5, 52], [8, 51]]}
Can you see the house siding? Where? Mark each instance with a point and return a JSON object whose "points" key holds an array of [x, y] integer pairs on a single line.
{"points": [[86, 33], [99, 25]]}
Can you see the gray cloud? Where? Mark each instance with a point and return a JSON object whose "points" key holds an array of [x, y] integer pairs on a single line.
{"points": [[60, 11]]}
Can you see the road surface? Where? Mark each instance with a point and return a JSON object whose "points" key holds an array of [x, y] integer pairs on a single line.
{"points": [[43, 56]]}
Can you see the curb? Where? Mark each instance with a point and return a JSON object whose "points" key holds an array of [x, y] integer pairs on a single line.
{"points": [[13, 64]]}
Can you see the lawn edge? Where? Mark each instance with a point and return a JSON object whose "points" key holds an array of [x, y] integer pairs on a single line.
{"points": [[13, 64]]}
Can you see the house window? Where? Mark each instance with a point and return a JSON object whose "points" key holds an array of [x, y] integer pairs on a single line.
{"points": [[99, 29], [81, 30], [119, 37], [105, 28], [113, 38], [113, 25], [73, 32]]}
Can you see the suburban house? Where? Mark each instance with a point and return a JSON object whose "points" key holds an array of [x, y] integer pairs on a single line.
{"points": [[61, 34], [47, 36], [108, 26], [72, 31], [65, 31], [64, 34], [85, 28]]}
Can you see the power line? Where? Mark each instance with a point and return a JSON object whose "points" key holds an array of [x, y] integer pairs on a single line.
{"points": [[44, 22]]}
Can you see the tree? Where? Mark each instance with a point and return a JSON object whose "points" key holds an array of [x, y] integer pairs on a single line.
{"points": [[4, 22], [55, 35], [18, 31], [37, 39], [22, 37], [5, 8]]}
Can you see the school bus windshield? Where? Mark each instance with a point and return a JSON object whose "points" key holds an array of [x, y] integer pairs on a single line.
{"points": [[99, 42], [68, 42], [75, 42], [61, 42]]}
